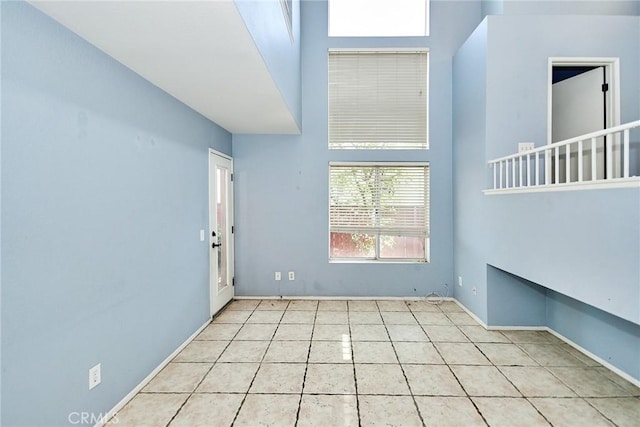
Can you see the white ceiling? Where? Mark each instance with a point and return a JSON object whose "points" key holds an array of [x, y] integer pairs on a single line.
{"points": [[198, 51]]}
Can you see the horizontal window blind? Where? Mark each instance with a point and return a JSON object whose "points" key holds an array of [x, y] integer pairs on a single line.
{"points": [[378, 100], [389, 200]]}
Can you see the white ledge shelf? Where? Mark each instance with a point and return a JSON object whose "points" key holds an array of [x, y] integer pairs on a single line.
{"points": [[632, 182]]}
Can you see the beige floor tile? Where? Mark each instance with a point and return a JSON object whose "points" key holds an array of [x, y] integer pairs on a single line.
{"points": [[625, 412], [624, 384], [332, 305], [243, 304], [231, 316], [369, 333], [503, 412], [373, 352], [461, 354], [432, 380], [480, 334], [448, 412], [293, 332], [587, 382], [332, 317], [359, 305], [398, 318], [220, 331], [392, 305], [298, 316], [579, 355], [277, 378], [201, 351], [539, 337], [569, 412], [460, 318], [365, 318], [330, 352], [273, 304], [551, 355], [388, 411], [216, 410], [445, 333], [149, 410], [532, 381], [265, 316], [178, 378], [406, 333], [307, 305], [287, 351], [244, 351], [427, 318], [506, 354], [329, 379], [228, 378], [417, 352], [273, 410], [423, 306], [331, 333], [484, 381], [381, 379], [323, 411], [256, 332], [450, 307]]}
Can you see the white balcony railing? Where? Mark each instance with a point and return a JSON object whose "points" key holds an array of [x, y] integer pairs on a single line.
{"points": [[586, 161]]}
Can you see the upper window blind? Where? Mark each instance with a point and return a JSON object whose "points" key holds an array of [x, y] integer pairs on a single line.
{"points": [[378, 100]]}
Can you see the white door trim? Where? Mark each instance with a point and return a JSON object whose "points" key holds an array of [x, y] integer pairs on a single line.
{"points": [[230, 244]]}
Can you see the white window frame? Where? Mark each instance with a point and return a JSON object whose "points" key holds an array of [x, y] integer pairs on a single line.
{"points": [[373, 51], [377, 258], [427, 24]]}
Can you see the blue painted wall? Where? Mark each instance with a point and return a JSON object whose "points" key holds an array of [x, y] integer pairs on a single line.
{"points": [[265, 21], [282, 181], [104, 191], [583, 244]]}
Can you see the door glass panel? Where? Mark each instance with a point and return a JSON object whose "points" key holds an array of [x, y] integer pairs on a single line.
{"points": [[222, 176]]}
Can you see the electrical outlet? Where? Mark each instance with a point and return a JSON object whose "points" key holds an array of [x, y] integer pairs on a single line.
{"points": [[460, 281], [474, 290], [278, 275], [523, 147], [292, 275], [94, 376]]}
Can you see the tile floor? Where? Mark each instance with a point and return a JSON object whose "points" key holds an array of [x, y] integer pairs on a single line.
{"points": [[369, 363]]}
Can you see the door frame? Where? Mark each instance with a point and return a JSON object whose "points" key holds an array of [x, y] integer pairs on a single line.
{"points": [[230, 223], [612, 71]]}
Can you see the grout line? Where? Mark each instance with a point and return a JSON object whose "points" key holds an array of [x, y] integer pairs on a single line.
{"points": [[306, 366], [353, 365]]}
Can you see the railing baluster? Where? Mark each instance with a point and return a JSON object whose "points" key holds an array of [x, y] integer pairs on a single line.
{"points": [[500, 172], [537, 170], [495, 175], [609, 166], [557, 151], [513, 173], [568, 164], [594, 164], [580, 171], [520, 171], [528, 170], [625, 154]]}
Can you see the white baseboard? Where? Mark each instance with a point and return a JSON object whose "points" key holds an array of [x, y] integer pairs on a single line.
{"points": [[149, 377], [332, 298]]}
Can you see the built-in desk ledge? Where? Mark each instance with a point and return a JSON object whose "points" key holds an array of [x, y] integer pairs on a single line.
{"points": [[596, 160]]}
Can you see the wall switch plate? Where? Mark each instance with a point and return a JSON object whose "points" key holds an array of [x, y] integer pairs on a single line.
{"points": [[292, 275], [202, 235], [94, 376], [523, 147], [460, 281], [278, 275]]}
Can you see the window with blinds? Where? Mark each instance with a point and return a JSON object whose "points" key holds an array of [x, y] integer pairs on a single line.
{"points": [[379, 211], [378, 100]]}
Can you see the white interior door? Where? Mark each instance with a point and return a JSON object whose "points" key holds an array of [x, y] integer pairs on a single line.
{"points": [[578, 108], [220, 230]]}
